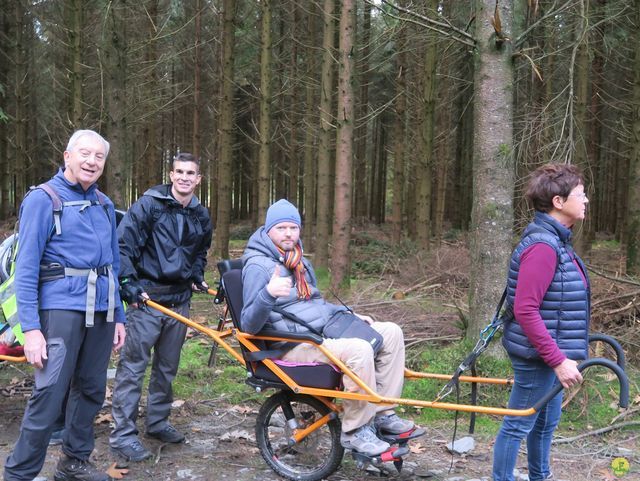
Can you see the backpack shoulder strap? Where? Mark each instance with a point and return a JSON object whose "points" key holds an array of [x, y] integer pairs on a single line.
{"points": [[57, 204]]}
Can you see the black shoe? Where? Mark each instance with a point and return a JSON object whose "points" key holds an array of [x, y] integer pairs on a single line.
{"points": [[168, 434], [134, 451], [72, 469]]}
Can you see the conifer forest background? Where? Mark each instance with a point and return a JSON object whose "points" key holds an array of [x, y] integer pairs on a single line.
{"points": [[424, 115]]}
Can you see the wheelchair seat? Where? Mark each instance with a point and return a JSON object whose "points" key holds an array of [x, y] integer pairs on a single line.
{"points": [[318, 375]]}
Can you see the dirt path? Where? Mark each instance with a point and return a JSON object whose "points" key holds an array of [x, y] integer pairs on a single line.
{"points": [[221, 446]]}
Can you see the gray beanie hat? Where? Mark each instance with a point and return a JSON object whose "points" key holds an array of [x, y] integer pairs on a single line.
{"points": [[281, 211]]}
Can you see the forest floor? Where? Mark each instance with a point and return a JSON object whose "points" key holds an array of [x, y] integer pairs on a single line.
{"points": [[220, 434]]}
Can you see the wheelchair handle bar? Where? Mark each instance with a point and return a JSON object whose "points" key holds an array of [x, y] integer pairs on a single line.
{"points": [[620, 359], [596, 361]]}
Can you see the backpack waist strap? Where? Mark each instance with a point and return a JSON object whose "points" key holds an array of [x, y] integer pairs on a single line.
{"points": [[92, 278]]}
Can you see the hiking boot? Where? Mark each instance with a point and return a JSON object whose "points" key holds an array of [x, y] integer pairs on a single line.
{"points": [[134, 451], [72, 469], [168, 434], [392, 424], [364, 440], [56, 437]]}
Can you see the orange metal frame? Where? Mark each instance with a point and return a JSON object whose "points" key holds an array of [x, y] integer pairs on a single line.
{"points": [[325, 394]]}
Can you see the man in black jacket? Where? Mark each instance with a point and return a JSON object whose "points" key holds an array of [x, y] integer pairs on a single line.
{"points": [[164, 238]]}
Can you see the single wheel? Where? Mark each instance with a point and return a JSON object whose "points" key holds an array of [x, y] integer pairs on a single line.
{"points": [[316, 456]]}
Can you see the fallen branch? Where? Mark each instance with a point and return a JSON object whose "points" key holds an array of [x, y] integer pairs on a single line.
{"points": [[624, 280], [625, 413], [616, 298], [412, 343], [597, 432]]}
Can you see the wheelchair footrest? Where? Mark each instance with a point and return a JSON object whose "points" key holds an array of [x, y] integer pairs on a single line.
{"points": [[393, 454], [402, 438]]}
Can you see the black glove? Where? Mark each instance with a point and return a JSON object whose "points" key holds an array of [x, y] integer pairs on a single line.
{"points": [[130, 291], [199, 286]]}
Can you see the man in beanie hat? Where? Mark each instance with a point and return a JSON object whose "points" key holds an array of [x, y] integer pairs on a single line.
{"points": [[277, 276]]}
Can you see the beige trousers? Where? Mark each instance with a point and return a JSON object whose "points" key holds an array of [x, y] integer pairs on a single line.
{"points": [[384, 373]]}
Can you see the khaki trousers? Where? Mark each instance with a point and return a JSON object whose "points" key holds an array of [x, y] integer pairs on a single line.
{"points": [[384, 373]]}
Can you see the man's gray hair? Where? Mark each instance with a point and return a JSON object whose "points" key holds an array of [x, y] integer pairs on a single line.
{"points": [[81, 133]]}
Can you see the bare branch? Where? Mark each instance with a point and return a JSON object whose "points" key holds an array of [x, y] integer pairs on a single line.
{"points": [[445, 29]]}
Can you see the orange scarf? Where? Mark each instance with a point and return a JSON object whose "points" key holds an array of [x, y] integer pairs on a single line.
{"points": [[293, 262]]}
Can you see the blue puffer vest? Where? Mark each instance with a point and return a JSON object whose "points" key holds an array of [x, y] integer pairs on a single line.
{"points": [[565, 307]]}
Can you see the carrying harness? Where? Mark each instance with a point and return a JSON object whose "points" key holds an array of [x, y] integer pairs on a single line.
{"points": [[56, 271]]}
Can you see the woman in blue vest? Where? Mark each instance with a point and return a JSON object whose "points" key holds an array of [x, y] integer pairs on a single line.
{"points": [[547, 329]]}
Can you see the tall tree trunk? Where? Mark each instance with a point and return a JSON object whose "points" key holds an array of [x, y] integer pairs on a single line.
{"points": [[340, 256], [7, 204], [425, 162], [324, 209], [197, 67], [310, 126], [399, 139], [632, 236], [21, 96], [75, 21], [151, 174], [493, 169], [293, 116], [264, 156], [361, 137], [223, 216], [580, 125], [115, 69]]}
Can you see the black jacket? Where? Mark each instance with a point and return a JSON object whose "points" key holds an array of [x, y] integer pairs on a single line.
{"points": [[163, 245]]}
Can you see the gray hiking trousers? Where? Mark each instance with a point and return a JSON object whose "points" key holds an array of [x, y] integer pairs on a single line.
{"points": [[146, 329], [77, 364]]}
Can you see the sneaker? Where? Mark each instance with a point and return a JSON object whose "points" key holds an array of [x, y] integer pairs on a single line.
{"points": [[392, 423], [56, 437], [364, 440], [168, 434], [134, 451], [72, 469]]}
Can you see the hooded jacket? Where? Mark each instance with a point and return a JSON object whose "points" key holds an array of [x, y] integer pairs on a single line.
{"points": [[87, 240], [259, 262], [163, 245], [565, 308]]}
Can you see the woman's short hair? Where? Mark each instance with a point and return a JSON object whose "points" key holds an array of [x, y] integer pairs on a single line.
{"points": [[550, 180]]}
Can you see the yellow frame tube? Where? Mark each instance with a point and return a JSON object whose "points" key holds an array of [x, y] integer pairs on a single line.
{"points": [[13, 358], [367, 395], [214, 334]]}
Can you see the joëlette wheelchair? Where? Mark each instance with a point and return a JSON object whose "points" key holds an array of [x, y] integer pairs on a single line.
{"points": [[298, 427]]}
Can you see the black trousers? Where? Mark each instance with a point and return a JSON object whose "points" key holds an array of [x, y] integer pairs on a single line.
{"points": [[77, 363]]}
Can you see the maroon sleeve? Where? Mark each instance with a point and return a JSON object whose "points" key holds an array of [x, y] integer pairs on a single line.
{"points": [[537, 267]]}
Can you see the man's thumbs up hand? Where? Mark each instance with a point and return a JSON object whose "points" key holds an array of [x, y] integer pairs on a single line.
{"points": [[279, 286]]}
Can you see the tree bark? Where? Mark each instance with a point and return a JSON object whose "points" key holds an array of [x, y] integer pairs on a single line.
{"points": [[340, 255], [324, 209], [310, 127], [75, 21], [361, 137], [632, 234], [399, 139], [225, 158], [115, 69], [425, 162], [493, 178], [264, 128]]}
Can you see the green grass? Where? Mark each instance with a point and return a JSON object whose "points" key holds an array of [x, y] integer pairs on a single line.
{"points": [[595, 405], [195, 380]]}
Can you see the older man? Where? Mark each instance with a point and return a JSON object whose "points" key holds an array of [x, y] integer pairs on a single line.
{"points": [[67, 304], [277, 278]]}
